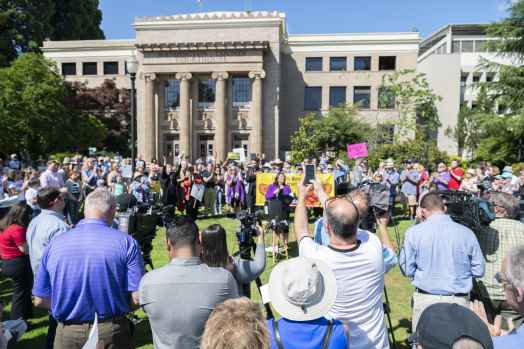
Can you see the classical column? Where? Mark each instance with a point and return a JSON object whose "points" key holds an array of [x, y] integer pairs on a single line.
{"points": [[184, 114], [255, 113], [148, 152], [220, 115]]}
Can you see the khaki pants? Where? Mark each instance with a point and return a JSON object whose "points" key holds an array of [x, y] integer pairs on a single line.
{"points": [[422, 301], [115, 334]]}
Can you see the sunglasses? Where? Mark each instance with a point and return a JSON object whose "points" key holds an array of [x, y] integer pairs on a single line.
{"points": [[342, 197]]}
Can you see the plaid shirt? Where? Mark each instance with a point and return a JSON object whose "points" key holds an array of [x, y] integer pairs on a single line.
{"points": [[495, 241]]}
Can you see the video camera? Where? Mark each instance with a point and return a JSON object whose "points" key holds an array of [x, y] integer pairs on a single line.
{"points": [[247, 231], [467, 209]]}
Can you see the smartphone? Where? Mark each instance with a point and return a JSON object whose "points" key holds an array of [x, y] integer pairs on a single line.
{"points": [[309, 171]]}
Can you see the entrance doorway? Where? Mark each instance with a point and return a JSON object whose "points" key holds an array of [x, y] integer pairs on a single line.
{"points": [[171, 146], [206, 146], [241, 141]]}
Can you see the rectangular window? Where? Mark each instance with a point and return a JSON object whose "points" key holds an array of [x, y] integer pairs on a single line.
{"points": [[386, 133], [172, 94], [313, 63], [313, 98], [362, 96], [89, 68], [68, 69], [467, 46], [337, 96], [476, 78], [480, 46], [455, 46], [337, 63], [110, 68], [362, 63], [490, 77], [206, 91], [463, 78], [386, 98], [241, 91], [387, 63]]}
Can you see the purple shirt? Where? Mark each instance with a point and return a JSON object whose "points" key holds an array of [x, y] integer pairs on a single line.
{"points": [[51, 179], [444, 176], [271, 191], [91, 269]]}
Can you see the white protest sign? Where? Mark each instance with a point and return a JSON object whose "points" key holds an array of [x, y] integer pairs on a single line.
{"points": [[242, 154], [197, 191]]}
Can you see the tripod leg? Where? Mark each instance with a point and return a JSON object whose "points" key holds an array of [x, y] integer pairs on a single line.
{"points": [[387, 310]]}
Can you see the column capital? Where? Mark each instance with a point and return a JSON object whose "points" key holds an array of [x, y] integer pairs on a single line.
{"points": [[220, 76], [258, 74], [183, 76], [148, 76]]}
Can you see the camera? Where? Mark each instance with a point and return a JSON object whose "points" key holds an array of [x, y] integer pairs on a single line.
{"points": [[467, 209], [247, 230]]}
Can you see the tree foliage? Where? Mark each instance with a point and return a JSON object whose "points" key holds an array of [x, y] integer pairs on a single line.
{"points": [[415, 102], [339, 127], [33, 115], [509, 31], [109, 105], [25, 24]]}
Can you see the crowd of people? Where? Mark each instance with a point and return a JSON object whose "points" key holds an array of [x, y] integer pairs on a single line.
{"points": [[61, 249]]}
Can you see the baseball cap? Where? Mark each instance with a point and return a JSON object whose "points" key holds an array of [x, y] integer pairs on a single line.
{"points": [[442, 324], [302, 289]]}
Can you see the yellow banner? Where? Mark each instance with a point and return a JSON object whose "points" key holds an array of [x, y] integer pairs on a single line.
{"points": [[264, 180]]}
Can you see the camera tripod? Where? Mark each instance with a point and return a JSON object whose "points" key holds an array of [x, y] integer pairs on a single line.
{"points": [[244, 252]]}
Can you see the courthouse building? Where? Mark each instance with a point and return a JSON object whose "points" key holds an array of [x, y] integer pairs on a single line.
{"points": [[211, 82]]}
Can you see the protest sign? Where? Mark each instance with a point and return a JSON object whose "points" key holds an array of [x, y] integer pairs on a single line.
{"points": [[264, 180], [357, 150], [197, 191], [241, 154], [126, 171], [233, 156], [91, 150]]}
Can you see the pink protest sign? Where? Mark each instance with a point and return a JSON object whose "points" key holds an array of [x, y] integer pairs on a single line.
{"points": [[359, 150]]}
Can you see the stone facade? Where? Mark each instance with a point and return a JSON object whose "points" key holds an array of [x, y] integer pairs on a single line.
{"points": [[211, 82]]}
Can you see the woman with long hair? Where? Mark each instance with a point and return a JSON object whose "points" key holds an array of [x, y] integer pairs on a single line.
{"points": [[235, 190], [215, 254], [15, 259], [281, 192]]}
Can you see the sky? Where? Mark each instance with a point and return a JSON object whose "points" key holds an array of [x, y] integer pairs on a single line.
{"points": [[317, 16]]}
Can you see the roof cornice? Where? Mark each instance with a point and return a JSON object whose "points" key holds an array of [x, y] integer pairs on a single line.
{"points": [[203, 46]]}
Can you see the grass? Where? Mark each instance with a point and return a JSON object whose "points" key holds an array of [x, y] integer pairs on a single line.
{"points": [[398, 288]]}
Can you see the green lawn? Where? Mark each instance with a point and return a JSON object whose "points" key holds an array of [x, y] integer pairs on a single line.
{"points": [[398, 287]]}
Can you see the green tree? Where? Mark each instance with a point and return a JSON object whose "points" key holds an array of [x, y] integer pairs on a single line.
{"points": [[33, 115], [415, 101], [25, 24], [339, 127], [509, 31], [304, 143]]}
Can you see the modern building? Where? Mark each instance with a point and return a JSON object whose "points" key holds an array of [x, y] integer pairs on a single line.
{"points": [[452, 60], [211, 82]]}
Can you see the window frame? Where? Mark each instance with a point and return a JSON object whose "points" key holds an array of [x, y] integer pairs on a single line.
{"points": [[340, 59], [387, 58], [333, 88], [307, 106], [109, 63], [393, 101], [173, 85], [355, 102], [368, 58], [239, 88], [70, 64], [308, 63], [84, 64]]}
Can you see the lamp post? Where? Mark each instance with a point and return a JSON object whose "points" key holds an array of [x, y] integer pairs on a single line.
{"points": [[132, 67]]}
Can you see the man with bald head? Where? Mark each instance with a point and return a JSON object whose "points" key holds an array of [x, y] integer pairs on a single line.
{"points": [[355, 256]]}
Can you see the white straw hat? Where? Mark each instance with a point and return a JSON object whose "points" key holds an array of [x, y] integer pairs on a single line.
{"points": [[302, 289]]}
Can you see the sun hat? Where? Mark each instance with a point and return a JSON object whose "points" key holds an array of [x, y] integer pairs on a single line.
{"points": [[507, 169], [442, 324], [302, 289], [389, 163]]}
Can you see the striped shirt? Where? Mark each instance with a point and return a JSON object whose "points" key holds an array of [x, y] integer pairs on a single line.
{"points": [[91, 269]]}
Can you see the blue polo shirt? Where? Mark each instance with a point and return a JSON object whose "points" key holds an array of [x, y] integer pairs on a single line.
{"points": [[91, 269], [308, 334]]}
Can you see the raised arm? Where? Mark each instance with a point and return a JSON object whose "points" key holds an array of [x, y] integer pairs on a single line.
{"points": [[300, 222]]}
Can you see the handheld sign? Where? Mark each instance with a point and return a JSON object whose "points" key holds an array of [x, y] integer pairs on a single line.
{"points": [[233, 156], [197, 191], [358, 150]]}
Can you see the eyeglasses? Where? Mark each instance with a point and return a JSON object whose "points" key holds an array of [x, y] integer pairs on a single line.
{"points": [[342, 197]]}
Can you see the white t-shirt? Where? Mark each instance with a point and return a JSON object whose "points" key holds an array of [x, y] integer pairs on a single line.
{"points": [[360, 280]]}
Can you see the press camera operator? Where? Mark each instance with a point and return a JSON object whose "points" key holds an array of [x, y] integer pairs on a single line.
{"points": [[215, 254], [503, 234]]}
